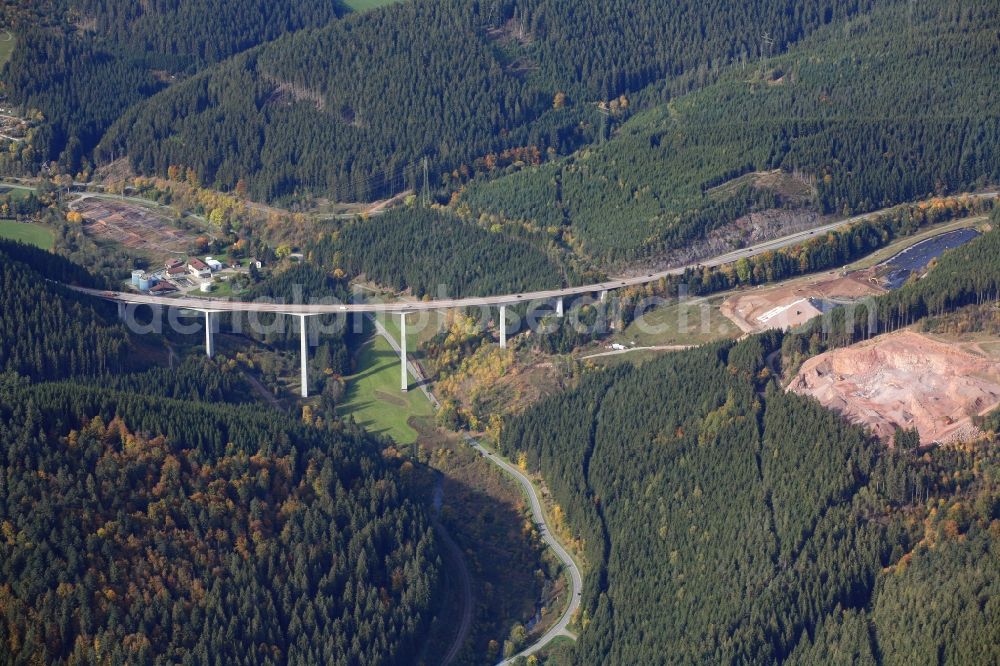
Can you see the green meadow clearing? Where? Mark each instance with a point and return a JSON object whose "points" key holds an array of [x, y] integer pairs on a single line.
{"points": [[373, 396], [364, 5], [33, 234], [6, 46]]}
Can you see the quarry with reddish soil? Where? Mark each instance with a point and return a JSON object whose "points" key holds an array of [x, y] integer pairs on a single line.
{"points": [[905, 380]]}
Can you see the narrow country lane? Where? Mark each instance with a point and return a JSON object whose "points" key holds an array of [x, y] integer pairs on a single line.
{"points": [[576, 591], [454, 553], [576, 579]]}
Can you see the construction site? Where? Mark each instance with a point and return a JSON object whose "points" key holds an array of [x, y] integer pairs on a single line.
{"points": [[795, 302]]}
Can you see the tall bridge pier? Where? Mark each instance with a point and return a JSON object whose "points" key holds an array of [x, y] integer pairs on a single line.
{"points": [[304, 353], [194, 305], [600, 289], [404, 383], [503, 327], [211, 323], [209, 342], [303, 344]]}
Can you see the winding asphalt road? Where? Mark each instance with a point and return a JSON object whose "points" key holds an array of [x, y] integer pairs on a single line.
{"points": [[576, 591], [454, 552], [560, 628]]}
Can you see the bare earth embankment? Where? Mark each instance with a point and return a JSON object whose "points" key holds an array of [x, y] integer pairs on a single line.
{"points": [[789, 304], [907, 380]]}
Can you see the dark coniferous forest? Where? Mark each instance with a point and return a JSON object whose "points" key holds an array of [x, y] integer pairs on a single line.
{"points": [[727, 521], [420, 249], [160, 513], [155, 517], [450, 81], [581, 125], [82, 63], [48, 331], [856, 117]]}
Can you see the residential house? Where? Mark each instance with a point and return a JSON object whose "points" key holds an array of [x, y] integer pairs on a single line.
{"points": [[198, 268]]}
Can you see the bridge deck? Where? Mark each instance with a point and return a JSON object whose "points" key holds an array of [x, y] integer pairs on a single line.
{"points": [[219, 305]]}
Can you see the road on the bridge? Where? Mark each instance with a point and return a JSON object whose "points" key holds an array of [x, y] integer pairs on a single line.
{"points": [[560, 627], [219, 305]]}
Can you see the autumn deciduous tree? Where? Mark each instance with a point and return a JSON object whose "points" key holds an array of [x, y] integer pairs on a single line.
{"points": [[211, 521], [658, 468]]}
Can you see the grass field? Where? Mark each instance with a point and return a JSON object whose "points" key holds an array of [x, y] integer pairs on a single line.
{"points": [[364, 5], [25, 232], [15, 191], [694, 322], [220, 289], [6, 46], [373, 396], [417, 331]]}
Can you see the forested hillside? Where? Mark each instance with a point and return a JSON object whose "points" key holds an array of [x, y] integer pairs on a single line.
{"points": [[606, 49], [178, 34], [78, 87], [423, 250], [81, 63], [199, 379], [222, 533], [140, 523], [857, 116], [48, 331], [348, 110], [729, 522]]}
